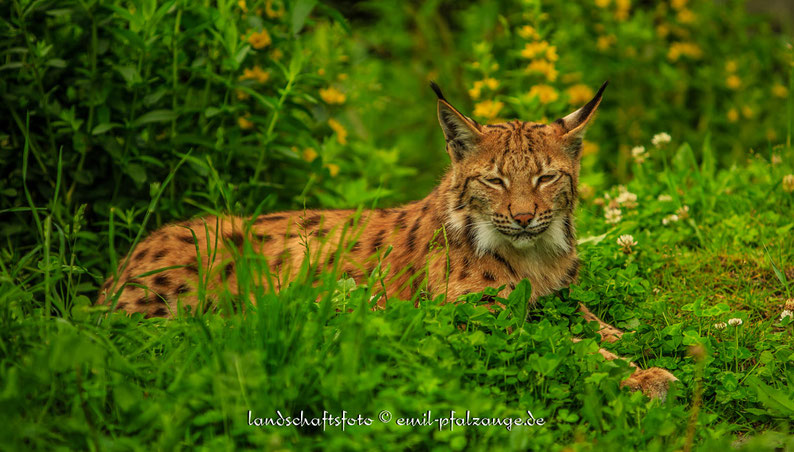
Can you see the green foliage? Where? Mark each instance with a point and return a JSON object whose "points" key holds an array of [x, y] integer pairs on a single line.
{"points": [[118, 117]]}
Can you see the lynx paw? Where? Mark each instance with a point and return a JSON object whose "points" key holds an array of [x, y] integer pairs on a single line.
{"points": [[653, 382]]}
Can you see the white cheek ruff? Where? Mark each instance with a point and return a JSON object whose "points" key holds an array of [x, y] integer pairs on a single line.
{"points": [[554, 241], [487, 238]]}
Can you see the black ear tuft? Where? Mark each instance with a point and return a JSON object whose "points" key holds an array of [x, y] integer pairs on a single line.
{"points": [[436, 88], [601, 90], [590, 106], [576, 122]]}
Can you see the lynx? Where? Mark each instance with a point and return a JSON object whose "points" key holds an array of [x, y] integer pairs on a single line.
{"points": [[503, 212]]}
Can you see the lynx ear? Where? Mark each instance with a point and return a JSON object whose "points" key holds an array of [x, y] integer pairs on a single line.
{"points": [[574, 125], [462, 133]]}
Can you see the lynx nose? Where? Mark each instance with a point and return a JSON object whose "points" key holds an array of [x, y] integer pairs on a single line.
{"points": [[523, 218]]}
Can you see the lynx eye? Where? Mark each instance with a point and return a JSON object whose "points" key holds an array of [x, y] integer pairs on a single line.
{"points": [[495, 181], [546, 178]]}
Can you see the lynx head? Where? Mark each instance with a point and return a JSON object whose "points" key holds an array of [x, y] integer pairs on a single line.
{"points": [[513, 185]]}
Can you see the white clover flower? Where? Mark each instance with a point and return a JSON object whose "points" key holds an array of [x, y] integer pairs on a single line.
{"points": [[670, 219], [735, 322], [626, 241], [720, 325], [682, 212], [661, 138], [776, 160], [665, 198], [612, 216], [639, 154], [788, 183], [786, 313], [790, 304], [627, 199]]}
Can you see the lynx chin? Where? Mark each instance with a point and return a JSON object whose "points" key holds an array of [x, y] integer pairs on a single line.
{"points": [[503, 212]]}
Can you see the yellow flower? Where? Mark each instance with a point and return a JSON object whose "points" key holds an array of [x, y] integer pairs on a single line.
{"points": [[528, 32], [543, 67], [342, 77], [589, 148], [276, 54], [604, 42], [686, 16], [244, 123], [780, 90], [551, 53], [476, 90], [255, 73], [242, 95], [533, 49], [491, 83], [243, 6], [333, 169], [622, 9], [309, 154], [733, 115], [579, 94], [545, 93], [602, 3], [731, 66], [678, 4], [488, 109], [273, 13], [733, 82], [341, 132], [747, 112], [662, 30], [687, 49], [332, 95], [321, 71], [260, 40]]}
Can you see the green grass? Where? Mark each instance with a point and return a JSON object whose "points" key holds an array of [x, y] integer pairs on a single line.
{"points": [[119, 117], [88, 380]]}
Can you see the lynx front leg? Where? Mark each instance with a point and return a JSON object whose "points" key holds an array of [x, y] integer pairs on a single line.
{"points": [[653, 381], [608, 332]]}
